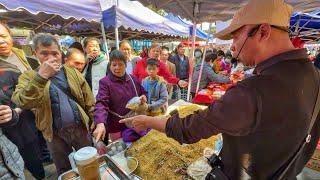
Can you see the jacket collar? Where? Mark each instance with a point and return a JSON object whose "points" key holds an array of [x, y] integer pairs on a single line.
{"points": [[286, 56], [20, 54], [118, 79], [159, 79]]}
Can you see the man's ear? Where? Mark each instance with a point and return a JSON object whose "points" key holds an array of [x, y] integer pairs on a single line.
{"points": [[264, 32]]}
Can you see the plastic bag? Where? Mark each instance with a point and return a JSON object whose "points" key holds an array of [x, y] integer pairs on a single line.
{"points": [[135, 105], [199, 169]]}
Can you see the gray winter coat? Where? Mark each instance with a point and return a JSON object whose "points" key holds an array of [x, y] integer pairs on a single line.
{"points": [[11, 162], [208, 75]]}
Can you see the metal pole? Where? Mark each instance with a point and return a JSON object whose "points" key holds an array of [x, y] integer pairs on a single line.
{"points": [[117, 36], [104, 39], [116, 30], [103, 30], [191, 58], [202, 62]]}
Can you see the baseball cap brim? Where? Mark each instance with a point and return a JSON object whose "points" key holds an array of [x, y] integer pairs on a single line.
{"points": [[226, 34]]}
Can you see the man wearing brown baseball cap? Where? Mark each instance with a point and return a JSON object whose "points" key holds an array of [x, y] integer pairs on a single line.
{"points": [[265, 118]]}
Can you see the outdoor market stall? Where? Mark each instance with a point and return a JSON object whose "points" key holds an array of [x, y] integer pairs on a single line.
{"points": [[210, 11], [87, 19], [306, 26]]}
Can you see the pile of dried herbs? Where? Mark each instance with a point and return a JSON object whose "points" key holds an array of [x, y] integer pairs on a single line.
{"points": [[161, 157]]}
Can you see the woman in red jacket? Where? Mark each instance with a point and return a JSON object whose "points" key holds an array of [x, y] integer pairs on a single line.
{"points": [[154, 52]]}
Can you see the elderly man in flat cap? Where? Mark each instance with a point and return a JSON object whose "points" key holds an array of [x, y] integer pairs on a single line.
{"points": [[264, 119]]}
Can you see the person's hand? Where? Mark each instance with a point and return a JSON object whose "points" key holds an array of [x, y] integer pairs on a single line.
{"points": [[138, 123], [223, 73], [5, 114], [143, 99], [92, 126], [91, 57], [49, 68], [100, 132], [183, 83]]}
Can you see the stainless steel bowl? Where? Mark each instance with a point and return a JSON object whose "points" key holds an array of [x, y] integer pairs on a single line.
{"points": [[116, 147]]}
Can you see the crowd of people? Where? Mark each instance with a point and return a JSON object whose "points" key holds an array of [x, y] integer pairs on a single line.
{"points": [[56, 103]]}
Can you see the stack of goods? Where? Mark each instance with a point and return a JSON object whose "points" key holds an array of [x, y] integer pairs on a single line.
{"points": [[213, 92], [236, 77], [314, 162], [161, 157]]}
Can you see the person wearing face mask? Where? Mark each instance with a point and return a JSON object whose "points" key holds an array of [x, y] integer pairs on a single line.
{"points": [[141, 73], [208, 75], [197, 56], [226, 62]]}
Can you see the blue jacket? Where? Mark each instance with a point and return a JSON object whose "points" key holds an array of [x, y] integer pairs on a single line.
{"points": [[157, 94]]}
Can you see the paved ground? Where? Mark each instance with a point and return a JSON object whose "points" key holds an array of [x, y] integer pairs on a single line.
{"points": [[50, 170]]}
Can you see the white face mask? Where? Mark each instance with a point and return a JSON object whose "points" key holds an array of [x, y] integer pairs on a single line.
{"points": [[197, 54]]}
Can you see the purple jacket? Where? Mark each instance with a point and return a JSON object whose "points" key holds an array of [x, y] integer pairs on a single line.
{"points": [[113, 94]]}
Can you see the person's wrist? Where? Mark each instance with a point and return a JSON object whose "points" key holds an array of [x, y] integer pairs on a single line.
{"points": [[100, 125], [42, 76]]}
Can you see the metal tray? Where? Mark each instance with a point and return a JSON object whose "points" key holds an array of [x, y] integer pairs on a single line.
{"points": [[109, 169]]}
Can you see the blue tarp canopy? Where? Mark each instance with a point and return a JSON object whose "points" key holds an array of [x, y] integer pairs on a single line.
{"points": [[199, 33], [70, 17], [214, 10], [133, 15], [306, 25]]}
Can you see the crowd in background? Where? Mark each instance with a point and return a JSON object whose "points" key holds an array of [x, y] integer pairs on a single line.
{"points": [[56, 102], [53, 102]]}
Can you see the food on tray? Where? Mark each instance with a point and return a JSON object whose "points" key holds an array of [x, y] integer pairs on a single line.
{"points": [[161, 157], [187, 110]]}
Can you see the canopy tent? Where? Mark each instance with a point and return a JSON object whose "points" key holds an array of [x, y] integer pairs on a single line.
{"points": [[306, 26], [55, 24], [132, 14], [211, 11], [78, 9], [199, 33], [77, 18], [50, 23]]}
